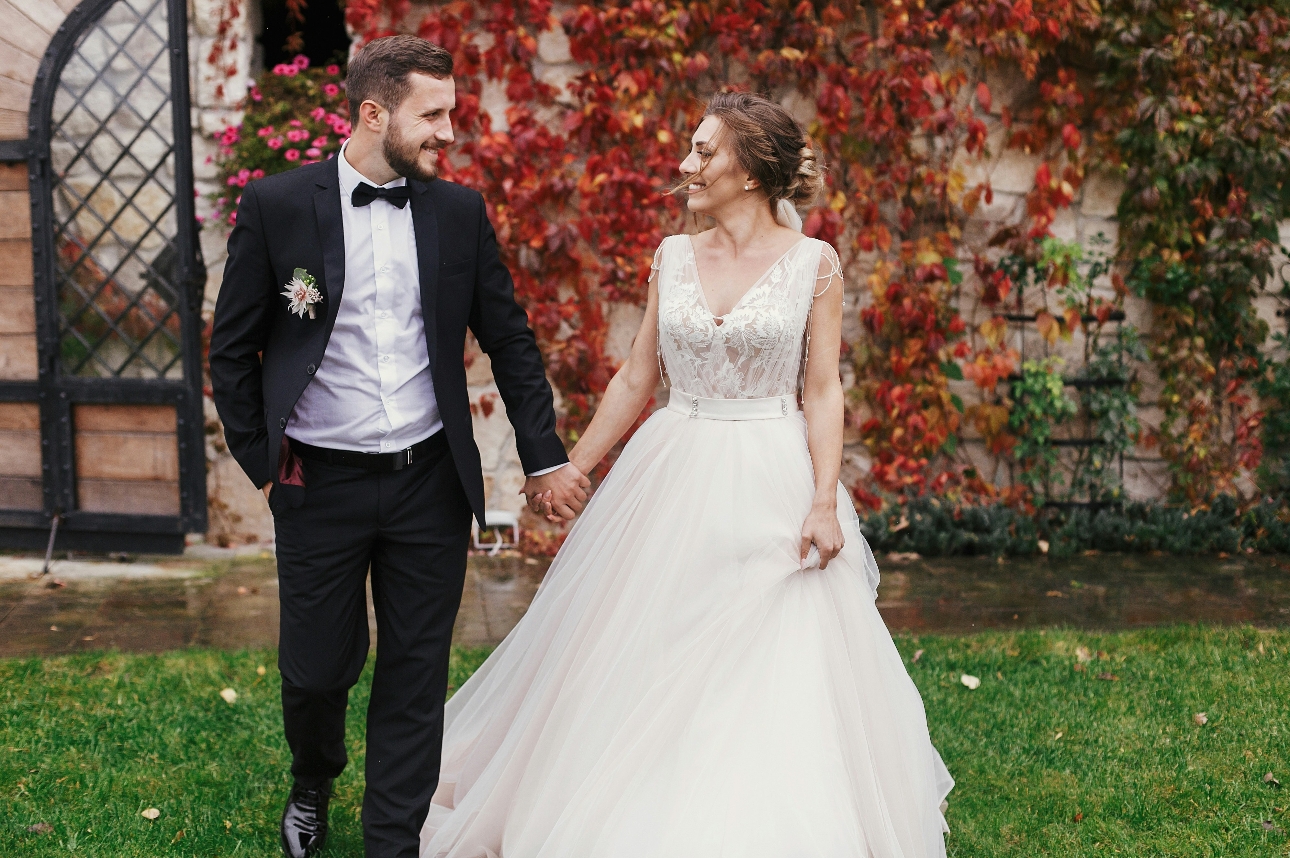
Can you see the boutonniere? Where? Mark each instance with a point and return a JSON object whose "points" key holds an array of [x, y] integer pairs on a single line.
{"points": [[304, 294]]}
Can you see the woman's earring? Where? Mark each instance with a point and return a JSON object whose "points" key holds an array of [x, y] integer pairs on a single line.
{"points": [[747, 187]]}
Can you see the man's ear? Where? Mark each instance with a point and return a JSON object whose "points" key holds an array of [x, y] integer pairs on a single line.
{"points": [[372, 115]]}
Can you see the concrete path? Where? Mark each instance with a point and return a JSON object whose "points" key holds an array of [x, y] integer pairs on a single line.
{"points": [[229, 599]]}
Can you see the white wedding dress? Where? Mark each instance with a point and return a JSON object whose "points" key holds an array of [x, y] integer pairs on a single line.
{"points": [[679, 687]]}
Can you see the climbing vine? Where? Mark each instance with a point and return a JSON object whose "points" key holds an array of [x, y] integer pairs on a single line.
{"points": [[1190, 101]]}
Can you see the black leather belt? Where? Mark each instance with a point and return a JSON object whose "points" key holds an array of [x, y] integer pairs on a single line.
{"points": [[430, 448]]}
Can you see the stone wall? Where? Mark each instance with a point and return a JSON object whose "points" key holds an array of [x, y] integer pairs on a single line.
{"points": [[238, 511]]}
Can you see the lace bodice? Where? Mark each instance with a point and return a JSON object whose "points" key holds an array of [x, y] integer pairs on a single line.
{"points": [[758, 349]]}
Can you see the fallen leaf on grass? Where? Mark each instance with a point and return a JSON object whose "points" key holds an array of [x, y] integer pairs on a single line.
{"points": [[1082, 655], [1055, 594], [1271, 780], [229, 695], [917, 655], [40, 828], [260, 671], [1043, 546], [1059, 735], [242, 591], [1079, 666], [150, 813], [1269, 825], [1079, 817], [178, 836], [1200, 718], [1109, 677], [970, 681]]}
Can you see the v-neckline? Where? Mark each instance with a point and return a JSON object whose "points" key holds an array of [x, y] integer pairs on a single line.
{"points": [[703, 296]]}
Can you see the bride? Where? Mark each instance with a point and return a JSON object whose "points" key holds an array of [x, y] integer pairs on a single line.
{"points": [[704, 673]]}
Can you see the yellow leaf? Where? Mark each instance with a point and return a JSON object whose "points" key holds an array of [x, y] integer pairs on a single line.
{"points": [[150, 813], [1048, 328]]}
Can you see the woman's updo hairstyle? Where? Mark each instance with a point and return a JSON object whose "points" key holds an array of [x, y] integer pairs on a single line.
{"points": [[770, 145]]}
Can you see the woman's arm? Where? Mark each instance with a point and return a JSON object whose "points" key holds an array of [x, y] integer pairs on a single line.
{"points": [[628, 392], [823, 406]]}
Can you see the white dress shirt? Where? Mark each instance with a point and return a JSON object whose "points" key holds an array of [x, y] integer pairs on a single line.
{"points": [[372, 392]]}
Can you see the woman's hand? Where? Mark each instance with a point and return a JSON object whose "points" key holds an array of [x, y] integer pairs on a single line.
{"points": [[821, 528]]}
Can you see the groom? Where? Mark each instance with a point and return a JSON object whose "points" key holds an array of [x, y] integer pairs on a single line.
{"points": [[336, 363]]}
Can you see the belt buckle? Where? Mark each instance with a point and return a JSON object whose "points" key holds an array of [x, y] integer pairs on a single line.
{"points": [[694, 407], [402, 459]]}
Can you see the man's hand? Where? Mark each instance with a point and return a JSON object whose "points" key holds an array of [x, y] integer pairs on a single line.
{"points": [[559, 494]]}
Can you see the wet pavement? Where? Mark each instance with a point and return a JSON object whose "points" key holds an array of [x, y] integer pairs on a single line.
{"points": [[154, 604]]}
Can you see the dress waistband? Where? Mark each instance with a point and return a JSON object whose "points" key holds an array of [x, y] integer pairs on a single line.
{"points": [[766, 408]]}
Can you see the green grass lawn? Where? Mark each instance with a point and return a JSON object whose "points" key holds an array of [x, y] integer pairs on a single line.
{"points": [[1050, 760]]}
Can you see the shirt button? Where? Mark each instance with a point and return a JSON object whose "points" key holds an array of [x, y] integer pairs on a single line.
{"points": [[380, 226], [310, 369], [282, 424], [385, 358]]}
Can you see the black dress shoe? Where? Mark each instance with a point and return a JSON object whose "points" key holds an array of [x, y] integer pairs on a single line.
{"points": [[304, 821]]}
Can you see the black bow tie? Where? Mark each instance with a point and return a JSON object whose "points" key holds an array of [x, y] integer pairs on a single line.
{"points": [[365, 193]]}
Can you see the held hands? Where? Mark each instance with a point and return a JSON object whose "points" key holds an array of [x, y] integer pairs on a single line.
{"points": [[559, 495], [821, 528]]}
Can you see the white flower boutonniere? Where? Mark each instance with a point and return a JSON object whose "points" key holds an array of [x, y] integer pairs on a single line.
{"points": [[304, 294]]}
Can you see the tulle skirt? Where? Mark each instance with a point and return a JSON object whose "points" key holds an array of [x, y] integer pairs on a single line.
{"points": [[681, 688]]}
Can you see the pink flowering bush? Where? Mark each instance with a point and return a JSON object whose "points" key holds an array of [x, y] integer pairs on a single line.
{"points": [[293, 115]]}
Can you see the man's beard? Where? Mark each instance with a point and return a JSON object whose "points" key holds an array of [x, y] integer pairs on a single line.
{"points": [[402, 157]]}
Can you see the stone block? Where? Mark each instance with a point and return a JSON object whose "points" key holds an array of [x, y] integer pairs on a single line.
{"points": [[493, 100], [22, 31], [16, 222], [45, 13], [624, 321], [13, 124], [17, 64], [14, 95], [553, 46], [480, 371], [1101, 193], [801, 107], [1014, 172], [558, 77], [1064, 226]]}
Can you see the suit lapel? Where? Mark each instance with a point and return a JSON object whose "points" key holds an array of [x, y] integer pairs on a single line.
{"points": [[425, 226], [331, 231]]}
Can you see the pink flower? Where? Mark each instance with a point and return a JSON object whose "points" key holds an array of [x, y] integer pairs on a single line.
{"points": [[320, 142], [342, 128], [284, 70], [301, 62], [333, 69], [292, 154], [317, 114], [275, 143], [313, 153], [295, 123], [257, 174], [243, 175], [232, 181], [265, 131], [331, 90], [295, 135], [232, 219], [255, 92]]}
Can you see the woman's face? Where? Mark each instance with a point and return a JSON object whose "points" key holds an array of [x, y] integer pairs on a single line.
{"points": [[715, 177]]}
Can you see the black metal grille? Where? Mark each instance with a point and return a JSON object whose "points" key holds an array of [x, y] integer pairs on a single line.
{"points": [[112, 155]]}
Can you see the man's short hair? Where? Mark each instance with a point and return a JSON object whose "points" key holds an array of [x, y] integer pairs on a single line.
{"points": [[379, 71]]}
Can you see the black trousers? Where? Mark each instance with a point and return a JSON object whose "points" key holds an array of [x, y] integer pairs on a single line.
{"points": [[410, 528]]}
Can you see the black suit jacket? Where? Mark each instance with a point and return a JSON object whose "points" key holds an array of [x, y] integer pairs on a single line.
{"points": [[262, 357]]}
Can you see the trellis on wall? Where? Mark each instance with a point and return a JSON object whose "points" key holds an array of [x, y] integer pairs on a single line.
{"points": [[110, 403]]}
